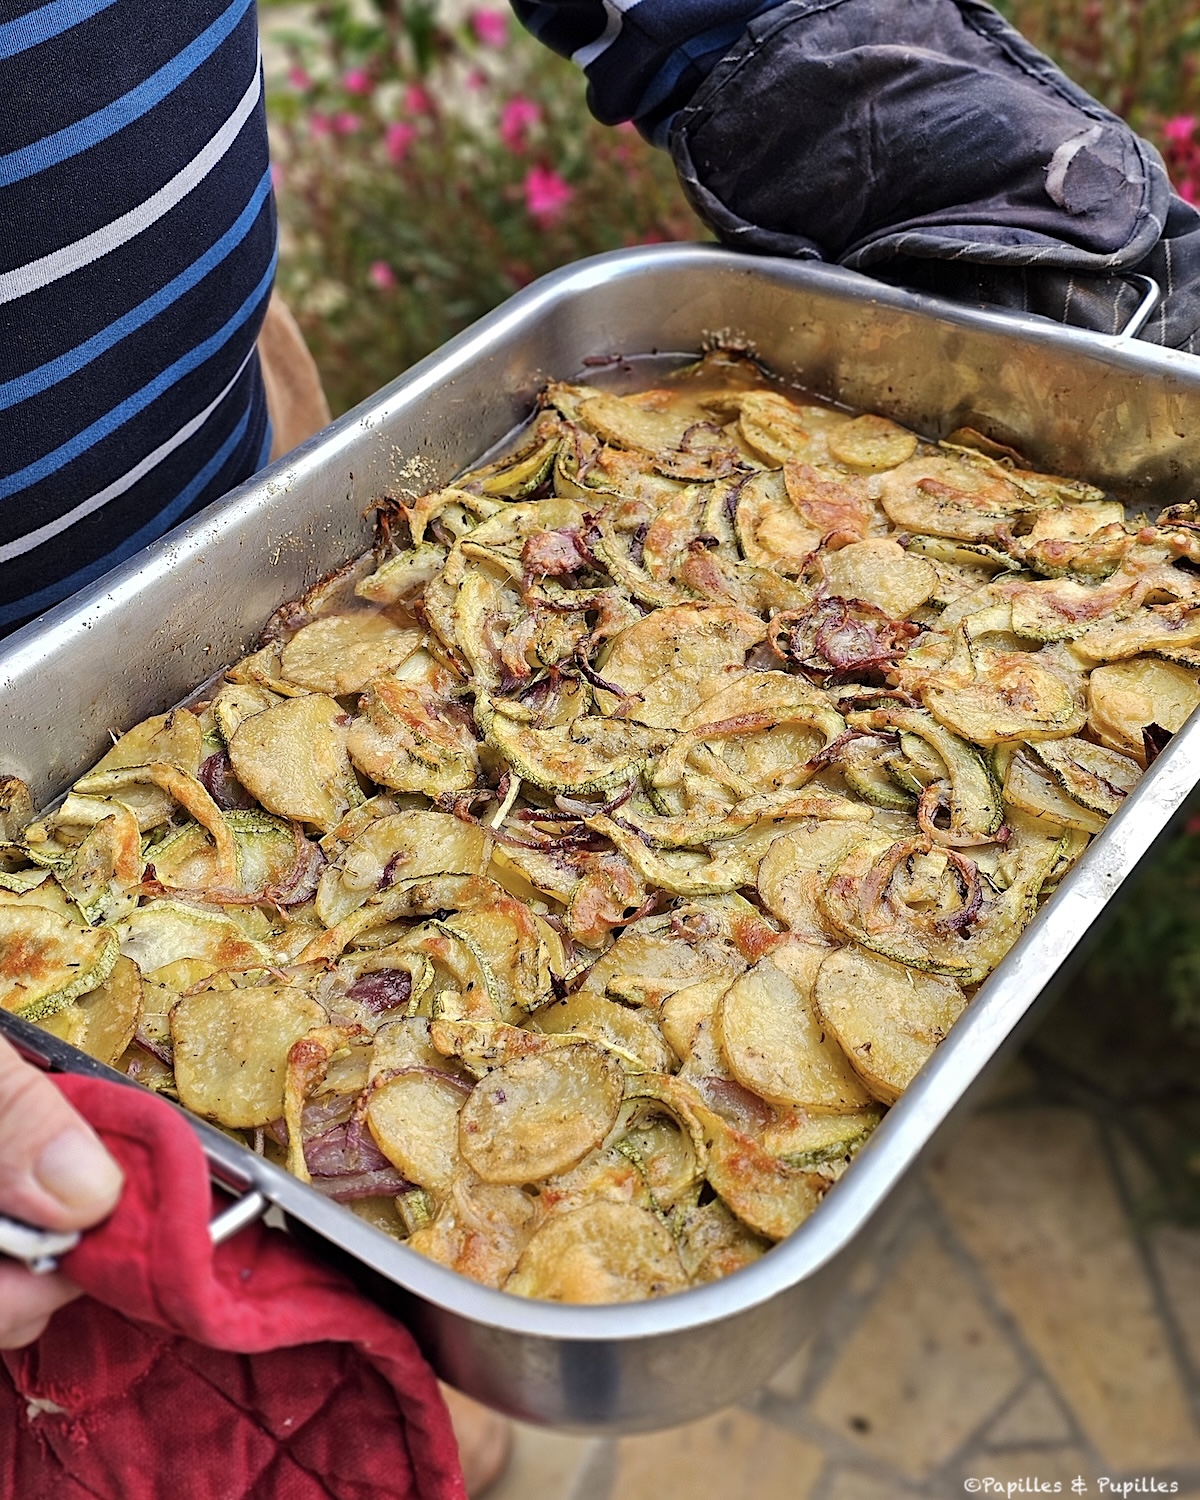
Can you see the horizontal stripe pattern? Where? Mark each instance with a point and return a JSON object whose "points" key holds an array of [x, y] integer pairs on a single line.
{"points": [[45, 22], [643, 58], [137, 251]]}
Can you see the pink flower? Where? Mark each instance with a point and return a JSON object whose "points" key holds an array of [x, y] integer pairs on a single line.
{"points": [[490, 27], [1187, 190], [276, 174], [397, 139], [417, 100], [299, 79], [319, 125], [346, 123], [358, 81], [1180, 129], [381, 275], [516, 119], [476, 80], [546, 195]]}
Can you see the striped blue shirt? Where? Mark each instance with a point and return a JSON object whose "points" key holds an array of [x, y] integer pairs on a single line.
{"points": [[137, 250], [138, 244]]}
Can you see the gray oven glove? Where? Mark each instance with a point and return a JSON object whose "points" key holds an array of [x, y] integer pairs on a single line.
{"points": [[927, 143]]}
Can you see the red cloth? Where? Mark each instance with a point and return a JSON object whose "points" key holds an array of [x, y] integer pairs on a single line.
{"points": [[252, 1372]]}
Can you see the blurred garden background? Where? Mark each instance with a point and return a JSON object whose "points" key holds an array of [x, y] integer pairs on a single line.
{"points": [[431, 159]]}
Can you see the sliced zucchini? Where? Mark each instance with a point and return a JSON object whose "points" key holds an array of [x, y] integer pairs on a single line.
{"points": [[410, 739], [1031, 789], [964, 939], [1169, 627], [46, 960], [944, 497], [590, 756], [1012, 697], [1094, 777], [102, 1023], [403, 576], [975, 806]]}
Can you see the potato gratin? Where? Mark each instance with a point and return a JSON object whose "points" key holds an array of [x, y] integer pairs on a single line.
{"points": [[570, 884]]}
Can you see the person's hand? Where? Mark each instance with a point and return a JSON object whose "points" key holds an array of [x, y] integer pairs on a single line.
{"points": [[54, 1173]]}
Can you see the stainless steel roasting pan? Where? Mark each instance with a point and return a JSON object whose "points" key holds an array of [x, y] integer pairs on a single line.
{"points": [[1122, 413]]}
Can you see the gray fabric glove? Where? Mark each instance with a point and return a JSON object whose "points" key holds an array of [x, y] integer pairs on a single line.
{"points": [[929, 144]]}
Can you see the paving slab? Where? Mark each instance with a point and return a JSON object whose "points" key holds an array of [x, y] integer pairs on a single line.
{"points": [[544, 1465], [1038, 1470], [727, 1457], [925, 1367], [853, 1484], [1177, 1255], [1031, 1194], [1034, 1417]]}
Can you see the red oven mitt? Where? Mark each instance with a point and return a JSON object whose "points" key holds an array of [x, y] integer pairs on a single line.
{"points": [[249, 1372]]}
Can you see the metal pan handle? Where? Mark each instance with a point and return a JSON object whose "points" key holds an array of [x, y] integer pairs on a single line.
{"points": [[245, 1211], [1142, 313], [40, 1250]]}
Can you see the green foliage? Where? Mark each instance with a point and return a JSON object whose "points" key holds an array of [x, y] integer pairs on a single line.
{"points": [[1136, 56], [427, 170], [1155, 936]]}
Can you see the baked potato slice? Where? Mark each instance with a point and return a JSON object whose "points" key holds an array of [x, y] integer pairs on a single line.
{"points": [[887, 1018]]}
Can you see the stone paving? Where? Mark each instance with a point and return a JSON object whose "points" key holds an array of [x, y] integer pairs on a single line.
{"points": [[1017, 1328]]}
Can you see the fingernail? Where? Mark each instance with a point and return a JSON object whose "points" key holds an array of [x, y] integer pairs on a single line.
{"points": [[77, 1170]]}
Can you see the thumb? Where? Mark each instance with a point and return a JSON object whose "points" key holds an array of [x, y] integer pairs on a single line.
{"points": [[54, 1172]]}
